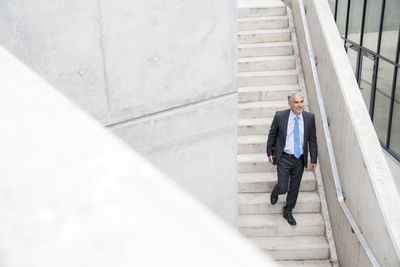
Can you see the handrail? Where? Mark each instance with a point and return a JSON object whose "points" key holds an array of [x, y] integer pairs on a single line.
{"points": [[338, 186]]}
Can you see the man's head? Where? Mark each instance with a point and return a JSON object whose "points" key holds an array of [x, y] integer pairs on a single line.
{"points": [[296, 102]]}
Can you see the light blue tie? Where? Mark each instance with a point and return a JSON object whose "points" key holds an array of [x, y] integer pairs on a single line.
{"points": [[296, 133]]}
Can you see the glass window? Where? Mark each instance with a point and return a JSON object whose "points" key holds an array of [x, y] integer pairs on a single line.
{"points": [[355, 18], [371, 24], [382, 99], [391, 23], [366, 79], [395, 131], [352, 54], [341, 16]]}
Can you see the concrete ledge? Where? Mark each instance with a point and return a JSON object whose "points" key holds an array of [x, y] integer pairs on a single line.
{"points": [[333, 259], [72, 194], [368, 185]]}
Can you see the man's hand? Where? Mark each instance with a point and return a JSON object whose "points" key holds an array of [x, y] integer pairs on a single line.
{"points": [[313, 166], [271, 159]]}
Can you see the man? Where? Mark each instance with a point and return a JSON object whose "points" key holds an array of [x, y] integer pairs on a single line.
{"points": [[292, 133]]}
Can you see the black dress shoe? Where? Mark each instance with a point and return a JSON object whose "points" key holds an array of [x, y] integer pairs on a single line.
{"points": [[275, 194], [289, 217], [274, 198]]}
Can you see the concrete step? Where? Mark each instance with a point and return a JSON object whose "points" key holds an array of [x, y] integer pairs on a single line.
{"points": [[254, 126], [294, 248], [261, 109], [265, 49], [264, 93], [259, 36], [251, 144], [266, 78], [304, 263], [266, 63], [267, 225], [265, 131], [263, 182], [259, 203], [263, 23], [260, 10], [254, 163]]}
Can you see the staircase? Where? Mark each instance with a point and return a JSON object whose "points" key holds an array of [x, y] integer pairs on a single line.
{"points": [[267, 74]]}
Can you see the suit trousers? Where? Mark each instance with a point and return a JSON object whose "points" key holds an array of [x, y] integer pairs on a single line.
{"points": [[290, 172]]}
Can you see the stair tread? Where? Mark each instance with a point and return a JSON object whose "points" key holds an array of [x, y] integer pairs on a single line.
{"points": [[264, 44], [260, 198], [257, 177], [256, 121], [264, 181], [262, 104], [262, 18], [251, 139], [265, 58], [284, 30], [265, 220], [291, 242], [256, 157], [267, 73], [259, 3], [305, 263], [286, 87]]}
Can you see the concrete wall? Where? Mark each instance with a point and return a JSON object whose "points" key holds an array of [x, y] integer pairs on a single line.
{"points": [[72, 194], [369, 189], [160, 74]]}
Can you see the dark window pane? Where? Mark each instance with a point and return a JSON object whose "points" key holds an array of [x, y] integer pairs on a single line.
{"points": [[352, 54], [366, 79], [341, 16], [356, 10], [391, 23], [395, 133], [371, 26], [382, 99]]}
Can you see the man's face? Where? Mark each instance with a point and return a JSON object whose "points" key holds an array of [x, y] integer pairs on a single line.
{"points": [[297, 104]]}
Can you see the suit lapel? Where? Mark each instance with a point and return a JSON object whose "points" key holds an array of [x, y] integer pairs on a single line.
{"points": [[305, 125], [285, 123]]}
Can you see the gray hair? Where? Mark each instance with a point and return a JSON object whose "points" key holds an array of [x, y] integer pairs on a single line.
{"points": [[294, 94]]}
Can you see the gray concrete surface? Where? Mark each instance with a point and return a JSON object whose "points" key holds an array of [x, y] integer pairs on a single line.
{"points": [[394, 168], [194, 145], [137, 65], [72, 194], [369, 188]]}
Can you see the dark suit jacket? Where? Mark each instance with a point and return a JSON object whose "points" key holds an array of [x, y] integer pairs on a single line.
{"points": [[277, 136]]}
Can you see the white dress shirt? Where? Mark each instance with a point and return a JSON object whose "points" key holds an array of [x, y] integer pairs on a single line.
{"points": [[289, 146]]}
